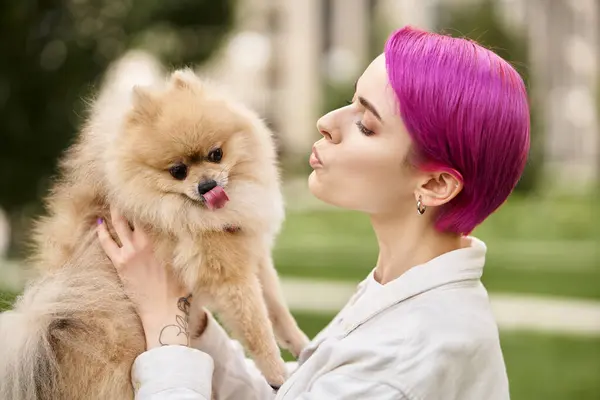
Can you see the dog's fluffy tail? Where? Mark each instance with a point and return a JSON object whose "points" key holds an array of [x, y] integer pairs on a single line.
{"points": [[26, 352], [49, 345]]}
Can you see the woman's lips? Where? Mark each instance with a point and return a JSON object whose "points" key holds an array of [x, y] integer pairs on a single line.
{"points": [[314, 159]]}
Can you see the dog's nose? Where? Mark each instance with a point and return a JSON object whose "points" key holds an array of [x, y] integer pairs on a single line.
{"points": [[206, 186]]}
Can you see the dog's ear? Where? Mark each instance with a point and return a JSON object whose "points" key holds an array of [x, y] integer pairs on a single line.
{"points": [[145, 104], [184, 79]]}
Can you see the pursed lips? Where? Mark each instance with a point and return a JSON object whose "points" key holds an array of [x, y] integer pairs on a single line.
{"points": [[315, 160]]}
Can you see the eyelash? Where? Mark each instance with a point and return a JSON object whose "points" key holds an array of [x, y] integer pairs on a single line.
{"points": [[359, 124], [363, 129]]}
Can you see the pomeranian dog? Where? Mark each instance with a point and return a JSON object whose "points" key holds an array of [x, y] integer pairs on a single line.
{"points": [[198, 172]]}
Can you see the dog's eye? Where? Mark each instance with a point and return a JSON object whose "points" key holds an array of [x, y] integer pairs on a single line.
{"points": [[179, 171], [215, 155]]}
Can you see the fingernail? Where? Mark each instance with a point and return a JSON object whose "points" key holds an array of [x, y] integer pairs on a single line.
{"points": [[99, 221]]}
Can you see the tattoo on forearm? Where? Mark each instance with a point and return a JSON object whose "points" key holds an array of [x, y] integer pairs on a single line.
{"points": [[181, 324]]}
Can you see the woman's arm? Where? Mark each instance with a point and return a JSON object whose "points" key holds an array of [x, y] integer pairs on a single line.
{"points": [[171, 370]]}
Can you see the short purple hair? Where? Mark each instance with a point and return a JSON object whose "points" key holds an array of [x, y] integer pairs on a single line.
{"points": [[467, 113]]}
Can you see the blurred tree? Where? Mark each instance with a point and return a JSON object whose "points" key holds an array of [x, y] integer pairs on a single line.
{"points": [[481, 23], [54, 51]]}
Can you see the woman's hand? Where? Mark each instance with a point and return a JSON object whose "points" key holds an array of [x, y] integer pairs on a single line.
{"points": [[161, 301]]}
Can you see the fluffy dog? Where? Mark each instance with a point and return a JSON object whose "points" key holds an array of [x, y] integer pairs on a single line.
{"points": [[198, 172]]}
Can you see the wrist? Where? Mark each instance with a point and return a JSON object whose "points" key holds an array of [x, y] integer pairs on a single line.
{"points": [[166, 332], [156, 317], [166, 327]]}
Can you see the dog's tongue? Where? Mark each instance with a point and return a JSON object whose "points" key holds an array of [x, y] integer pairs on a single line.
{"points": [[215, 198]]}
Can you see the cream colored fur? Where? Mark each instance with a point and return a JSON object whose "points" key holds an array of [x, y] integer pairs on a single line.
{"points": [[73, 334]]}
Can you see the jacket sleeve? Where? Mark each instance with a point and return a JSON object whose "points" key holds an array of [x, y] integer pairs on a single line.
{"points": [[172, 373], [235, 376]]}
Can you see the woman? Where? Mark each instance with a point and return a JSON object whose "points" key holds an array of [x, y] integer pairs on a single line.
{"points": [[434, 141]]}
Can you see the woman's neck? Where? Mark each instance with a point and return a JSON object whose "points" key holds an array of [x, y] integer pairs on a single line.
{"points": [[407, 241]]}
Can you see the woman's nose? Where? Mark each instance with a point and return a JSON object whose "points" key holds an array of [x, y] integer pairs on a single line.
{"points": [[327, 128]]}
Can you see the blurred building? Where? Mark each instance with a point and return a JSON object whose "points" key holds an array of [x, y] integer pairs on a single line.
{"points": [[282, 51], [564, 43]]}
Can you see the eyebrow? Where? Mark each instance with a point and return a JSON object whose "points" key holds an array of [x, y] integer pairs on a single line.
{"points": [[366, 104]]}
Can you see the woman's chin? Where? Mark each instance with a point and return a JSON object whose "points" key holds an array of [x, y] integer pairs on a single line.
{"points": [[319, 189], [313, 184]]}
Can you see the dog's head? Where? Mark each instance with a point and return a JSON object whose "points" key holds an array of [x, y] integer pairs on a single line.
{"points": [[186, 152]]}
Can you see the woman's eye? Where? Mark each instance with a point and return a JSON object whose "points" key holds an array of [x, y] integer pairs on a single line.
{"points": [[363, 129], [179, 171], [215, 155]]}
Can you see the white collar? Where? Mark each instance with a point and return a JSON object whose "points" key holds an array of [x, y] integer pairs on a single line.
{"points": [[455, 266]]}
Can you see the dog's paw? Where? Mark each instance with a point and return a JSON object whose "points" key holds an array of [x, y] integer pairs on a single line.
{"points": [[275, 372], [295, 343]]}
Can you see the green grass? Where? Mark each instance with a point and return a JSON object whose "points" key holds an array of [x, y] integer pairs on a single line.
{"points": [[539, 366], [548, 247], [6, 299]]}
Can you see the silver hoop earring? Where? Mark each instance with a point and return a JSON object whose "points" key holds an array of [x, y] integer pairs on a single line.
{"points": [[420, 207]]}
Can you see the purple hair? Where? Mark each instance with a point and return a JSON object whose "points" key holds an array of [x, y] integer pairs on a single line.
{"points": [[466, 111]]}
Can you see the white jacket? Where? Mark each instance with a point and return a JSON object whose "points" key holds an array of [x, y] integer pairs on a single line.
{"points": [[427, 335]]}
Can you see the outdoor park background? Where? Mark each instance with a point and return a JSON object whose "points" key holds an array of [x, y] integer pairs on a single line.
{"points": [[292, 61]]}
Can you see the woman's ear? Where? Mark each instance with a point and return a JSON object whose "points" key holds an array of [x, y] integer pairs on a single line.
{"points": [[438, 188]]}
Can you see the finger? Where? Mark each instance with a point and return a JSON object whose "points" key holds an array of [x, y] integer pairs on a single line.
{"points": [[121, 226], [107, 243]]}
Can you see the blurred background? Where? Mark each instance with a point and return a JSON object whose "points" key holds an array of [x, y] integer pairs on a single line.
{"points": [[295, 60]]}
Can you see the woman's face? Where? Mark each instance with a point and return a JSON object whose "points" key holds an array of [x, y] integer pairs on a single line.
{"points": [[359, 163]]}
